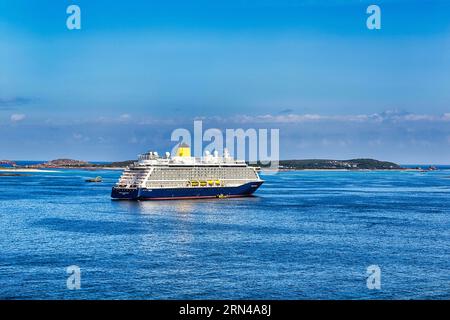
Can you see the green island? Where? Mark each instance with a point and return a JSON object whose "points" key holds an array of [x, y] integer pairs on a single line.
{"points": [[325, 164]]}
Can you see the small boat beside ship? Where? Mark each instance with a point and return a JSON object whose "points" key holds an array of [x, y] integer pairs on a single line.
{"points": [[154, 177]]}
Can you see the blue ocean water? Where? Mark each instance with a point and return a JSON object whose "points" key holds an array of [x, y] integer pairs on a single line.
{"points": [[305, 235]]}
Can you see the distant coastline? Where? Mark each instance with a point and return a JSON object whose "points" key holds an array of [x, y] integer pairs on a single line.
{"points": [[284, 165], [351, 164]]}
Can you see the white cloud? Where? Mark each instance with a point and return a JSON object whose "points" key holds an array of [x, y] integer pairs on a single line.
{"points": [[16, 117], [389, 116], [124, 117], [392, 116], [80, 137]]}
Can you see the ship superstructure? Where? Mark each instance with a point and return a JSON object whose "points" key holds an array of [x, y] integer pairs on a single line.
{"points": [[183, 176]]}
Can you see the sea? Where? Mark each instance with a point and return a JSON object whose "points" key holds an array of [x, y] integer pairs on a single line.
{"points": [[304, 235]]}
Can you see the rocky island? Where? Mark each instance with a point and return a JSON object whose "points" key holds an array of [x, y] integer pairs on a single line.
{"points": [[63, 163]]}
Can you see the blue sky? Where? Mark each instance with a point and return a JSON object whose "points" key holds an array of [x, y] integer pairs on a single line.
{"points": [[139, 69]]}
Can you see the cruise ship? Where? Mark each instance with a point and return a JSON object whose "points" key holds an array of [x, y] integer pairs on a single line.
{"points": [[154, 177]]}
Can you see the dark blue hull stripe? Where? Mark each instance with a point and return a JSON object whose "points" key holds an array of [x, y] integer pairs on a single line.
{"points": [[184, 193]]}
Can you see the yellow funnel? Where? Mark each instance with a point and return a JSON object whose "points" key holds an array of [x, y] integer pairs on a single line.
{"points": [[183, 150]]}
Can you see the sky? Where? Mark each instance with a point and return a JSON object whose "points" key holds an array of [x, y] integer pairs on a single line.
{"points": [[137, 70]]}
